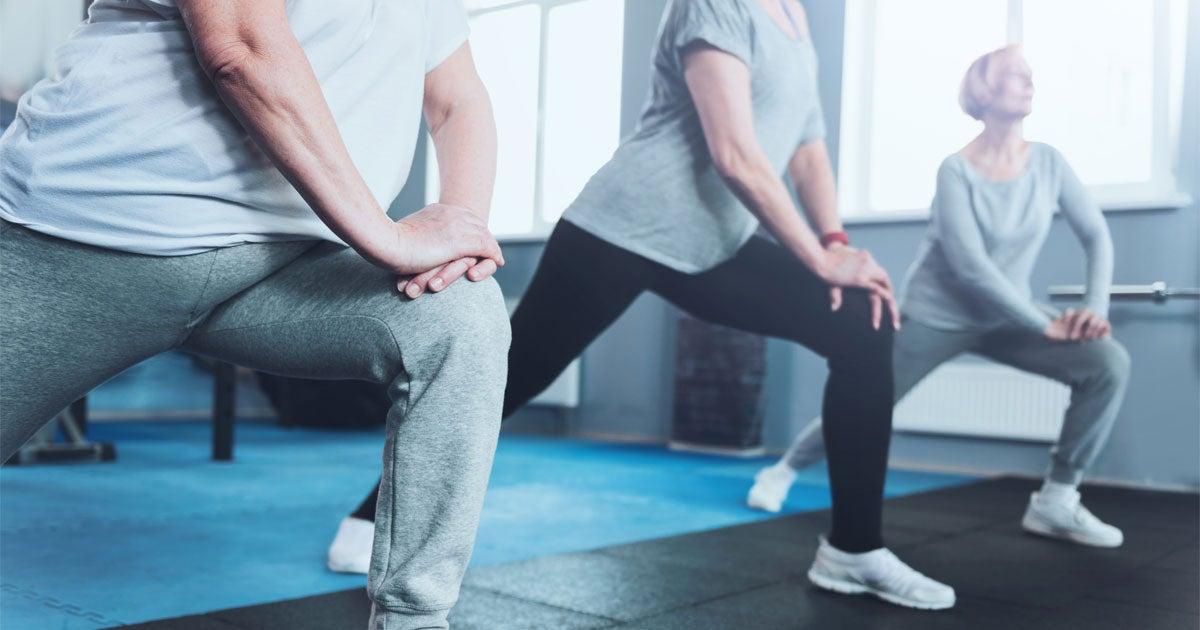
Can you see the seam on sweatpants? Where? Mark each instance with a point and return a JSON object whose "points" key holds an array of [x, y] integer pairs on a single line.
{"points": [[191, 320], [302, 320], [387, 559]]}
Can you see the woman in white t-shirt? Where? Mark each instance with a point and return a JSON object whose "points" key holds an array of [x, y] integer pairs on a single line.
{"points": [[190, 177]]}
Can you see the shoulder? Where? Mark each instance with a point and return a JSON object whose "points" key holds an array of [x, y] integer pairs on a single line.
{"points": [[1045, 154], [801, 14], [1050, 163], [952, 166]]}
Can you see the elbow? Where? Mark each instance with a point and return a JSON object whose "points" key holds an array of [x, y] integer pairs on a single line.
{"points": [[227, 63], [732, 161], [1101, 247], [470, 101]]}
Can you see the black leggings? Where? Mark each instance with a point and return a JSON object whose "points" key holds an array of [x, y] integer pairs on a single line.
{"points": [[583, 283]]}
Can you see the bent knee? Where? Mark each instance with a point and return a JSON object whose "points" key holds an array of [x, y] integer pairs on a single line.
{"points": [[1112, 360], [858, 341], [467, 314]]}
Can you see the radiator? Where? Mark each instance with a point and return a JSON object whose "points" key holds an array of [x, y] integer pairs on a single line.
{"points": [[984, 400], [564, 391]]}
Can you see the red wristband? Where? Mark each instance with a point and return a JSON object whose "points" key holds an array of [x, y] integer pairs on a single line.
{"points": [[835, 237]]}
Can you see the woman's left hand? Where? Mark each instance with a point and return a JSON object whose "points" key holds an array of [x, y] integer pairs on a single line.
{"points": [[879, 297]]}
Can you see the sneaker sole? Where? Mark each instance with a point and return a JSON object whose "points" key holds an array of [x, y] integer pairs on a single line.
{"points": [[1036, 528], [850, 588]]}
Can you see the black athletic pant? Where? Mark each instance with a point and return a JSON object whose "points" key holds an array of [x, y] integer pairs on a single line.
{"points": [[584, 283]]}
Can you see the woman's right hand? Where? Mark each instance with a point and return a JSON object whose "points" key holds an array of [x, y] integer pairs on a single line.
{"points": [[844, 266], [438, 234]]}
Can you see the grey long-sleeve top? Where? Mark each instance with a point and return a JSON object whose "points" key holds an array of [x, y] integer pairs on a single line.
{"points": [[973, 268]]}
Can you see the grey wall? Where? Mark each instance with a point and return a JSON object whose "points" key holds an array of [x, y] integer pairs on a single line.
{"points": [[627, 372]]}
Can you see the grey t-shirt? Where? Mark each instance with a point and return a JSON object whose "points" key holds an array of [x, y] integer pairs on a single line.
{"points": [[660, 196], [972, 270]]}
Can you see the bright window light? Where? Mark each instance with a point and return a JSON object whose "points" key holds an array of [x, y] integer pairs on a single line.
{"points": [[1094, 96], [583, 98], [915, 118], [505, 46], [553, 71]]}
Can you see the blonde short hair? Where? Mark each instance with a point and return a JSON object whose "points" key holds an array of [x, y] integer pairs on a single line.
{"points": [[976, 92]]}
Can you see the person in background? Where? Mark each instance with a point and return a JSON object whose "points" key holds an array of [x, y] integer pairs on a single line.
{"points": [[968, 291], [733, 106], [212, 176]]}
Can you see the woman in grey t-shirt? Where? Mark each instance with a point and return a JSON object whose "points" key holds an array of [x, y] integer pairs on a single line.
{"points": [[733, 106], [968, 291]]}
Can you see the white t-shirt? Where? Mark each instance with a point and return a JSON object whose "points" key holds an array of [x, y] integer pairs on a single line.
{"points": [[127, 145]]}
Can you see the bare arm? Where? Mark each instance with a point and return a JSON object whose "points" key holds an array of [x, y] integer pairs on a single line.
{"points": [[813, 176], [458, 112], [719, 84], [262, 75], [720, 87]]}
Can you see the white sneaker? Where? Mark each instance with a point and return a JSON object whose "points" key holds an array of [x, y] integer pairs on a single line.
{"points": [[771, 486], [879, 573], [1065, 518], [351, 548]]}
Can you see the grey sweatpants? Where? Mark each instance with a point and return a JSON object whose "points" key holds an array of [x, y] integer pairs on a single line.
{"points": [[1096, 371], [73, 316]]}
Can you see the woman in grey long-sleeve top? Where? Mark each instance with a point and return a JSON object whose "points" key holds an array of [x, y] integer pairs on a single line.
{"points": [[968, 291]]}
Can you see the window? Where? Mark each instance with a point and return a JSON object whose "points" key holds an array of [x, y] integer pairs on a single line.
{"points": [[1107, 75], [29, 33], [553, 70]]}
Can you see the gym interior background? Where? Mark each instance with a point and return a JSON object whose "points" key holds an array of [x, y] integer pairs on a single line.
{"points": [[608, 463]]}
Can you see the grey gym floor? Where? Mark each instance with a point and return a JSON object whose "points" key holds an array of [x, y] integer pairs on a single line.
{"points": [[752, 576]]}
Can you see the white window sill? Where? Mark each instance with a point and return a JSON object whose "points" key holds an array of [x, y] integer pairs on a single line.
{"points": [[1169, 201]]}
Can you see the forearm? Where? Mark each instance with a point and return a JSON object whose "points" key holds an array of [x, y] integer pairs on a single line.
{"points": [[270, 88], [995, 289], [813, 176], [1099, 275], [979, 276], [1088, 223], [962, 242], [762, 191], [464, 136]]}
